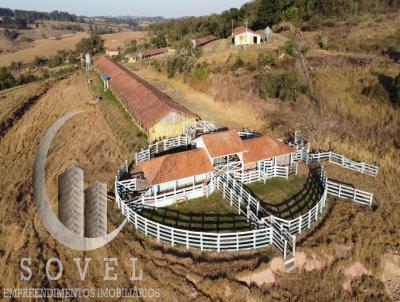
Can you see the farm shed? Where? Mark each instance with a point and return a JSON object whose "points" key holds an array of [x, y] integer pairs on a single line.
{"points": [[243, 36], [203, 40], [111, 52], [154, 111], [151, 53], [189, 174]]}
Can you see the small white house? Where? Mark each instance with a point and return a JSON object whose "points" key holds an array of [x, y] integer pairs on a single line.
{"points": [[243, 36], [112, 52]]}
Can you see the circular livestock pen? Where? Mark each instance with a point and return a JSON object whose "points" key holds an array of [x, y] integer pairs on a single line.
{"points": [[265, 227]]}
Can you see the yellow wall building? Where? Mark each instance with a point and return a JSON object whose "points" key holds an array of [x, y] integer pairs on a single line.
{"points": [[154, 111]]}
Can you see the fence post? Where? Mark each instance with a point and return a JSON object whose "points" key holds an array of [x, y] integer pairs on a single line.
{"points": [[309, 219], [187, 240], [145, 227], [172, 237], [201, 241], [158, 232], [218, 243], [237, 241], [300, 221], [240, 200]]}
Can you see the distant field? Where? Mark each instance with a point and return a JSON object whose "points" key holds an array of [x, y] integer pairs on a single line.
{"points": [[121, 39], [41, 48], [47, 48]]}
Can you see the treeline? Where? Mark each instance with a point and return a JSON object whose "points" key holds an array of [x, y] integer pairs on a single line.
{"points": [[261, 13], [19, 19]]}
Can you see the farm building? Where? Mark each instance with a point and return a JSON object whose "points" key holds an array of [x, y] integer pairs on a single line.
{"points": [[111, 52], [151, 53], [154, 111], [245, 36], [203, 40], [211, 154]]}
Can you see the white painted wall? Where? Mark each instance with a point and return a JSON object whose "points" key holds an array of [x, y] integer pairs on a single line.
{"points": [[247, 38]]}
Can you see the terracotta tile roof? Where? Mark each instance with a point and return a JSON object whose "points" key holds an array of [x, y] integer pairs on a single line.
{"points": [[205, 40], [176, 166], [241, 30], [223, 143], [148, 104], [150, 52], [264, 147]]}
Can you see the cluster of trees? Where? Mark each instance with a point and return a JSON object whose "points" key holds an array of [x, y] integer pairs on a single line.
{"points": [[93, 44], [7, 79], [19, 19], [261, 13], [31, 16], [74, 27]]}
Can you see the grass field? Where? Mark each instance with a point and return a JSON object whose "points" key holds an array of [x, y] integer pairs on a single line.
{"points": [[212, 214], [277, 190], [290, 198]]}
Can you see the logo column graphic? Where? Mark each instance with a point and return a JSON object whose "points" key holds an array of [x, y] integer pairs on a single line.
{"points": [[69, 238]]}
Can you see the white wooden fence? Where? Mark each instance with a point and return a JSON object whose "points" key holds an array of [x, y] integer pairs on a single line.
{"points": [[161, 146], [350, 193], [199, 128], [346, 163], [218, 242]]}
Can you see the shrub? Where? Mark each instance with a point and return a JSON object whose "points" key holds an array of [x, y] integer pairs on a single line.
{"points": [[200, 72], [323, 42], [290, 48], [11, 35], [396, 90], [286, 85], [156, 65], [267, 58], [7, 80], [239, 63]]}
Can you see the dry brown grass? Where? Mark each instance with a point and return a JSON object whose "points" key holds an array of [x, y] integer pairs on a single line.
{"points": [[122, 39], [42, 47], [235, 114]]}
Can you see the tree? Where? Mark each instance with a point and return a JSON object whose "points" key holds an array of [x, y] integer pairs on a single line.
{"points": [[93, 45], [7, 80], [11, 35], [159, 41]]}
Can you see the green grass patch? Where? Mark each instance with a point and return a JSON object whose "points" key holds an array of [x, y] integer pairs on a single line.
{"points": [[277, 190], [212, 214], [119, 119]]}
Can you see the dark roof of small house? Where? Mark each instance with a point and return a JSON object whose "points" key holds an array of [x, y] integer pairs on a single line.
{"points": [[241, 30], [151, 52], [204, 40], [148, 104]]}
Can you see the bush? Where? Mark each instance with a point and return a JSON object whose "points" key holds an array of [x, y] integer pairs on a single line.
{"points": [[323, 42], [156, 65], [267, 58], [7, 80], [290, 48], [239, 63], [286, 85], [94, 44], [11, 35], [200, 72], [396, 90]]}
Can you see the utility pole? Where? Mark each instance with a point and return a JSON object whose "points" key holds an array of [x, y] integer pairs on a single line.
{"points": [[245, 44]]}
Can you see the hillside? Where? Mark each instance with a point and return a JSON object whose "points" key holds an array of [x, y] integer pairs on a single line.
{"points": [[332, 83]]}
